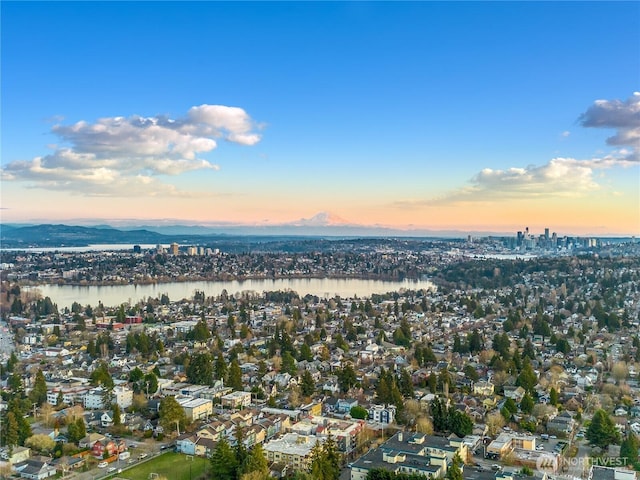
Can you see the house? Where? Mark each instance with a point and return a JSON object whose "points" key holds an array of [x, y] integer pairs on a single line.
{"points": [[36, 468], [483, 388], [382, 414], [99, 448], [19, 455], [106, 418], [409, 453], [514, 393], [236, 400], [620, 411], [89, 440], [64, 464], [610, 473], [344, 405], [562, 424], [186, 443]]}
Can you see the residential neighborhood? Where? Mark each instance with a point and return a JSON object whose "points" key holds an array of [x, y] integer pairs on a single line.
{"points": [[505, 369]]}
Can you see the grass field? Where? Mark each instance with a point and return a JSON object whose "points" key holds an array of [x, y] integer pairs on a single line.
{"points": [[173, 466]]}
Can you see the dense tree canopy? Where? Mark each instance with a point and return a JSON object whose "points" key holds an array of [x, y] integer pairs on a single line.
{"points": [[171, 414]]}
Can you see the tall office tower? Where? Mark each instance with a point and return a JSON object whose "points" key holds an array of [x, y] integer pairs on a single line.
{"points": [[174, 249], [546, 234]]}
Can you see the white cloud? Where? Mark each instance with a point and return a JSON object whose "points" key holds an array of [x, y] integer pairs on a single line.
{"points": [[560, 177], [624, 116], [127, 152]]}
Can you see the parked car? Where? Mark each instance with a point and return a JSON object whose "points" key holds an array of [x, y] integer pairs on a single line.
{"points": [[111, 469], [141, 456], [102, 464]]}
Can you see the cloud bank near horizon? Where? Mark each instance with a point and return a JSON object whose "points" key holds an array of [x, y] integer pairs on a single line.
{"points": [[123, 156], [560, 177]]}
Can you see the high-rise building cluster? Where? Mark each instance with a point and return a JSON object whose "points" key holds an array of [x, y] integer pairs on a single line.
{"points": [[192, 250], [525, 240]]}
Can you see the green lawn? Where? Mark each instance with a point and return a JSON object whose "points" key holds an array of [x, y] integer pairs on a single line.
{"points": [[173, 466]]}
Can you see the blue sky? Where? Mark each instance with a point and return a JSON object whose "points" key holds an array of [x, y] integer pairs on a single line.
{"points": [[380, 113]]}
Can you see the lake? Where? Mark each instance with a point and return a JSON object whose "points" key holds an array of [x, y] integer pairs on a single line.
{"points": [[65, 295]]}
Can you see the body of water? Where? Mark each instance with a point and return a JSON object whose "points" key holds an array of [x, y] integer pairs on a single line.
{"points": [[65, 295]]}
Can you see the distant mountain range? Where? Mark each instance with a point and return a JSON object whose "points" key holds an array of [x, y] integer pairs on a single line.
{"points": [[285, 237], [64, 235], [322, 225]]}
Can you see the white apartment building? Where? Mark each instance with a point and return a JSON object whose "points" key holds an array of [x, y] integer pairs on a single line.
{"points": [[292, 449], [123, 396], [70, 395], [94, 398]]}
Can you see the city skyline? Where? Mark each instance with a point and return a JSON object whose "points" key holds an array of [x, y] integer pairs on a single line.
{"points": [[416, 116]]}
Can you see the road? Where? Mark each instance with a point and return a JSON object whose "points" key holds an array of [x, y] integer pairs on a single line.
{"points": [[7, 344], [152, 450], [578, 466]]}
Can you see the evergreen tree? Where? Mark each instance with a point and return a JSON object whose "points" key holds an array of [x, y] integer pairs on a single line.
{"points": [[150, 383], [235, 376], [22, 426], [305, 353], [406, 384], [307, 385], [220, 368], [101, 376], [346, 377], [553, 397], [200, 369], [288, 363], [14, 382], [12, 362], [256, 462], [223, 461], [457, 343], [455, 472], [326, 461], [527, 378], [459, 422], [38, 394], [116, 415], [439, 414], [432, 383], [602, 432], [11, 431], [474, 341], [471, 373], [428, 356], [171, 414], [528, 351], [241, 448], [199, 333], [629, 449], [76, 431], [527, 403], [510, 405]]}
